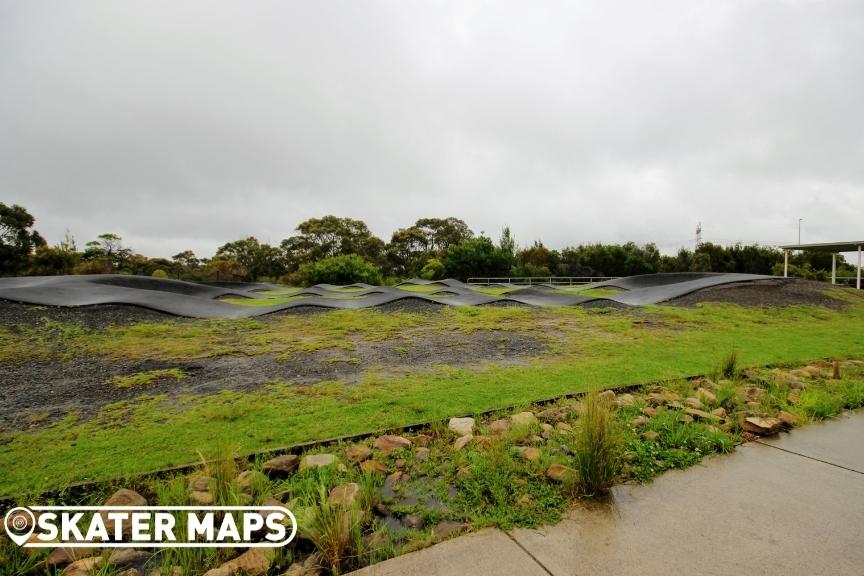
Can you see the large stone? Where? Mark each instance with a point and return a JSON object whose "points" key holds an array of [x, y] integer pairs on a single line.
{"points": [[447, 528], [762, 425], [462, 441], [250, 481], [561, 473], [639, 421], [651, 435], [787, 418], [523, 419], [124, 497], [85, 566], [694, 403], [556, 414], [650, 411], [200, 483], [358, 453], [201, 498], [60, 557], [529, 453], [127, 557], [281, 466], [706, 396], [719, 412], [373, 467], [500, 426], [311, 461], [254, 562], [624, 400], [421, 454], [563, 427], [607, 396], [345, 495], [461, 426], [699, 414], [387, 444]]}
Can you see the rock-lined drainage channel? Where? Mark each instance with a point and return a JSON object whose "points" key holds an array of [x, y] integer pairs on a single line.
{"points": [[75, 489]]}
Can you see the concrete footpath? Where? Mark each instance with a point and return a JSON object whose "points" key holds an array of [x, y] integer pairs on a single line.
{"points": [[793, 504]]}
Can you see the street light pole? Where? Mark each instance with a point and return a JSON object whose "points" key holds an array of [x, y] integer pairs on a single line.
{"points": [[799, 230]]}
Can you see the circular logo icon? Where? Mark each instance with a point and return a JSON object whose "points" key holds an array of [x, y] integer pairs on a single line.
{"points": [[20, 523]]}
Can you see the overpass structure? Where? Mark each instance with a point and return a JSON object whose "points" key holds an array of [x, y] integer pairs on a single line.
{"points": [[834, 248]]}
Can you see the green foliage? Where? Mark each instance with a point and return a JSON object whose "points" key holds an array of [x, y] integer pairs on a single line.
{"points": [[17, 239], [433, 270], [335, 530], [340, 270], [475, 257], [598, 447], [159, 273]]}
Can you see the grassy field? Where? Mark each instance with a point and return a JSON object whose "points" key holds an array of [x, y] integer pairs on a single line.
{"points": [[584, 349]]}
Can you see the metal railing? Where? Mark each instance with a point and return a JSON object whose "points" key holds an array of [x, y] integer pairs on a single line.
{"points": [[531, 280]]}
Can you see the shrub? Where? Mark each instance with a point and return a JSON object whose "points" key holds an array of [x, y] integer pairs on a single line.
{"points": [[433, 270], [340, 270], [159, 273], [598, 446], [336, 532]]}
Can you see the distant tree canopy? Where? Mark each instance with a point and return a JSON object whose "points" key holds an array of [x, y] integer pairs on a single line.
{"points": [[18, 240], [343, 250]]}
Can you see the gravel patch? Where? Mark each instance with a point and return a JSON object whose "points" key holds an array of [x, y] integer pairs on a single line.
{"points": [[775, 292]]}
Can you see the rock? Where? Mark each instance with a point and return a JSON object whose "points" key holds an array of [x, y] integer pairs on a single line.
{"points": [[561, 473], [461, 426], [250, 481], [124, 497], [624, 400], [686, 418], [650, 411], [421, 439], [62, 556], [788, 418], [554, 414], [358, 453], [281, 466], [447, 528], [201, 498], [751, 393], [639, 421], [200, 483], [317, 461], [699, 414], [500, 426], [373, 467], [462, 441], [607, 396], [523, 419], [311, 566], [126, 557], [129, 572], [528, 453], [387, 444], [174, 571], [546, 427], [345, 495], [421, 454], [719, 412], [563, 427], [651, 435], [762, 425], [413, 521], [85, 566], [400, 463], [693, 403], [254, 562], [706, 396]]}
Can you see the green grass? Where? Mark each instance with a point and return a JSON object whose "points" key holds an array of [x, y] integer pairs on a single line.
{"points": [[585, 349], [148, 377]]}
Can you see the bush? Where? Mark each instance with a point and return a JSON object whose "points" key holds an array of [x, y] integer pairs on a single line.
{"points": [[159, 273], [598, 446], [433, 270], [340, 270]]}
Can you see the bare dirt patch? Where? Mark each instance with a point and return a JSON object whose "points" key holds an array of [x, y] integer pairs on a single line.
{"points": [[36, 393], [774, 292]]}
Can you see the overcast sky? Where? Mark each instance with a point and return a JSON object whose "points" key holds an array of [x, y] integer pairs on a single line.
{"points": [[181, 124]]}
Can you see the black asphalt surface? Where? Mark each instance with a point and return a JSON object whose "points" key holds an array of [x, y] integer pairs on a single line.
{"points": [[201, 300]]}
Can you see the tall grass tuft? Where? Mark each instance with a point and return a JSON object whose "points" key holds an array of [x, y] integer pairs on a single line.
{"points": [[336, 532], [598, 446], [729, 366]]}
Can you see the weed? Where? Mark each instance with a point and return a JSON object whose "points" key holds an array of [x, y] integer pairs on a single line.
{"points": [[148, 377], [598, 448], [335, 530]]}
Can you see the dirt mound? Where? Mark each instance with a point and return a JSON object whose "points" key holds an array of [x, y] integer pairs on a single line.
{"points": [[90, 317], [775, 292]]}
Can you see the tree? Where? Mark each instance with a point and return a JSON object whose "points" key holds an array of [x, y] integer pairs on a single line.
{"points": [[408, 251], [441, 233], [477, 257], [222, 267], [107, 253], [331, 236], [507, 246], [186, 263], [257, 260], [53, 261], [18, 240], [536, 260], [433, 270], [341, 270]]}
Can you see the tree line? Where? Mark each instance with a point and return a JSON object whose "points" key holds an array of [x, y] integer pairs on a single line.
{"points": [[343, 250]]}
